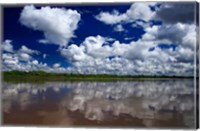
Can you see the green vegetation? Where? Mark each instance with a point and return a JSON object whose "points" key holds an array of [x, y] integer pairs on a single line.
{"points": [[41, 76]]}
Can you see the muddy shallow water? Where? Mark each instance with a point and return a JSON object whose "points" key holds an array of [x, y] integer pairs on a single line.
{"points": [[152, 103]]}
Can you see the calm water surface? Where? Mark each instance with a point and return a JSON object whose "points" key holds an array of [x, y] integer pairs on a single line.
{"points": [[151, 103]]}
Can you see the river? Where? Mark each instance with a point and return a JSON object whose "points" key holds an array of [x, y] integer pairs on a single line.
{"points": [[164, 103]]}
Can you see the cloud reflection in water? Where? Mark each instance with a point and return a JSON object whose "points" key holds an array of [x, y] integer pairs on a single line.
{"points": [[146, 100]]}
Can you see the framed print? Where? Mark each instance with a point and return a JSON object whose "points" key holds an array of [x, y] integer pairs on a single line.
{"points": [[107, 65]]}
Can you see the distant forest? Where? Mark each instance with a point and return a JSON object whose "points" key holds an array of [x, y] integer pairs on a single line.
{"points": [[40, 76]]}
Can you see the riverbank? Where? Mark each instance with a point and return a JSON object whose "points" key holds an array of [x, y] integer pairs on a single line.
{"points": [[40, 76]]}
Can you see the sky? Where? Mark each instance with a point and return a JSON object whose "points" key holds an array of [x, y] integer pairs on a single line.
{"points": [[141, 38]]}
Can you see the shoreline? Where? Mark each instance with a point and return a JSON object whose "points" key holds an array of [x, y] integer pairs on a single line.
{"points": [[39, 76]]}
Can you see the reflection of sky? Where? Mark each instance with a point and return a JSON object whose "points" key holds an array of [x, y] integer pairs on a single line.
{"points": [[140, 99]]}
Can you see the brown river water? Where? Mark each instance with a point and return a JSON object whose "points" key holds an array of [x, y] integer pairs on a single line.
{"points": [[123, 104]]}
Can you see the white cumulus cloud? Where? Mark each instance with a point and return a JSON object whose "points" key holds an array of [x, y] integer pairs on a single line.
{"points": [[7, 46], [135, 12], [25, 49], [21, 59], [93, 55], [56, 65], [119, 28], [57, 24]]}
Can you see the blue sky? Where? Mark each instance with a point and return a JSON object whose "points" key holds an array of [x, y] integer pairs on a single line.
{"points": [[131, 38]]}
